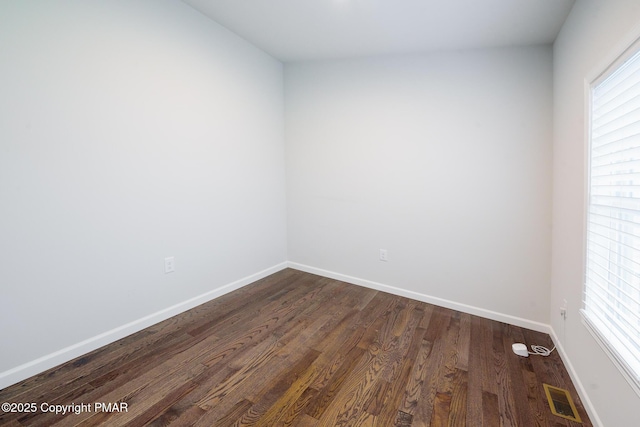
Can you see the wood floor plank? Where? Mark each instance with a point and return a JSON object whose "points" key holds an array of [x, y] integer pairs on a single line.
{"points": [[341, 341], [464, 341], [474, 385], [487, 357], [500, 371], [349, 402], [296, 349], [305, 420], [366, 420], [457, 409], [417, 377], [296, 410], [395, 393], [213, 397], [490, 410], [435, 336], [441, 409], [234, 414], [403, 420], [295, 384], [161, 405], [326, 394]]}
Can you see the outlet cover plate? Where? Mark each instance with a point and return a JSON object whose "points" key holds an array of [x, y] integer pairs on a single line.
{"points": [[169, 264]]}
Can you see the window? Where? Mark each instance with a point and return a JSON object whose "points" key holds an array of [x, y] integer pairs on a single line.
{"points": [[612, 268]]}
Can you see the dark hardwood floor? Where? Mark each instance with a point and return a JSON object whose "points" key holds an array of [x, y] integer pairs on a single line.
{"points": [[296, 349]]}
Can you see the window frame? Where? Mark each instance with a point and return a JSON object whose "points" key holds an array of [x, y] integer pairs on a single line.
{"points": [[628, 51]]}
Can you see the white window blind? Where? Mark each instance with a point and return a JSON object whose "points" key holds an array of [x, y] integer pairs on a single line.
{"points": [[612, 276]]}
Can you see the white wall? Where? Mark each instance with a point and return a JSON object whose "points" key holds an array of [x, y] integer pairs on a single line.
{"points": [[443, 159], [129, 131], [594, 31]]}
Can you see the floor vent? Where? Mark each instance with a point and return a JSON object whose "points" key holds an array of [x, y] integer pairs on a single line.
{"points": [[561, 403]]}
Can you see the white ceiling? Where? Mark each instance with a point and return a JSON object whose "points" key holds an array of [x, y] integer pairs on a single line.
{"points": [[298, 30]]}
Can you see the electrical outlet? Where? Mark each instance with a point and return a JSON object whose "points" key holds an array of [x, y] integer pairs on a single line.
{"points": [[169, 264], [563, 309], [383, 255]]}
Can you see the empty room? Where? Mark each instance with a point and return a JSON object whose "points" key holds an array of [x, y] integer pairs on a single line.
{"points": [[320, 212]]}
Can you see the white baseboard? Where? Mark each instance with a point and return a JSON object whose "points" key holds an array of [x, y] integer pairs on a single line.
{"points": [[22, 372], [465, 308], [593, 415]]}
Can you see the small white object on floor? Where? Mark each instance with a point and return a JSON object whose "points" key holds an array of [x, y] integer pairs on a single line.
{"points": [[520, 349]]}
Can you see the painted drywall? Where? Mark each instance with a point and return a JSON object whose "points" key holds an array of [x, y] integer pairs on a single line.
{"points": [[442, 159], [594, 32], [130, 131]]}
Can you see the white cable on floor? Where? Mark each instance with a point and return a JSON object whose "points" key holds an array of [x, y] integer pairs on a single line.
{"points": [[539, 350]]}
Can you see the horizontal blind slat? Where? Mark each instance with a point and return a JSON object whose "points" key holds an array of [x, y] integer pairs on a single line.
{"points": [[627, 335], [604, 112], [630, 214], [617, 320], [623, 165], [630, 248], [630, 203], [626, 131], [613, 157], [608, 123], [627, 259], [622, 339], [599, 270], [626, 277], [616, 145]]}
